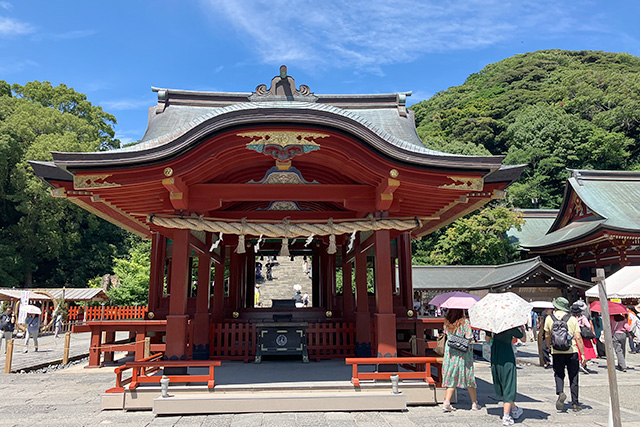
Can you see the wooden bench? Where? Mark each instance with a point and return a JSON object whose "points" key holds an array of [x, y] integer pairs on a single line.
{"points": [[419, 362], [141, 368]]}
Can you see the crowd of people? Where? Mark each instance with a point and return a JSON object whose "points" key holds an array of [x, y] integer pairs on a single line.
{"points": [[569, 337]]}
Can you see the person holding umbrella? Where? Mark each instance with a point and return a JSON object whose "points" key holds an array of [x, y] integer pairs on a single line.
{"points": [[503, 315], [563, 336], [33, 328]]}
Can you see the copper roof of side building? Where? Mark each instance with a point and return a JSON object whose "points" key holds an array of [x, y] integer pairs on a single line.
{"points": [[594, 201]]}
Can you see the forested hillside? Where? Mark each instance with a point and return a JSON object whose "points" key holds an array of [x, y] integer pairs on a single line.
{"points": [[46, 241], [550, 109]]}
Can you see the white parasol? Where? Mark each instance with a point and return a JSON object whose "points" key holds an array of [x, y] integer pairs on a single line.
{"points": [[499, 312], [32, 309]]}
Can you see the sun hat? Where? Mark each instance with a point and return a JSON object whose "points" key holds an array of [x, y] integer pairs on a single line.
{"points": [[561, 304], [297, 287], [576, 308]]}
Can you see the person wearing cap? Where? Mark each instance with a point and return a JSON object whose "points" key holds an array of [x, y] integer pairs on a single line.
{"points": [[565, 359]]}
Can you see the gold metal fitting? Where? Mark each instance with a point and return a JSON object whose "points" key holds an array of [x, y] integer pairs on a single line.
{"points": [[328, 313], [393, 173], [151, 315], [168, 171], [410, 313], [235, 314]]}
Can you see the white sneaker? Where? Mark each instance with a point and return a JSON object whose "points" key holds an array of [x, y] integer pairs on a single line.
{"points": [[516, 412], [507, 420], [475, 406]]}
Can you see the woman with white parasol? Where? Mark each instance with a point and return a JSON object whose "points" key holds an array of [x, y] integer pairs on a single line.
{"points": [[503, 315], [33, 326]]}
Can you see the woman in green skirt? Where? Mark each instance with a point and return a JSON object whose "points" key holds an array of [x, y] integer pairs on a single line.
{"points": [[503, 371]]}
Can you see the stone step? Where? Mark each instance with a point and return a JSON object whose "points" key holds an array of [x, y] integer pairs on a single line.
{"points": [[279, 402]]}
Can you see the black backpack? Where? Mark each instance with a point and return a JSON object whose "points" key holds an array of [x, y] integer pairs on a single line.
{"points": [[560, 338]]}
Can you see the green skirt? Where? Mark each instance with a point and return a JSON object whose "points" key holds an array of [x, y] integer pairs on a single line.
{"points": [[505, 381]]}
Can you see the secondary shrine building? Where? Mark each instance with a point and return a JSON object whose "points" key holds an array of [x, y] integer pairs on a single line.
{"points": [[222, 178]]}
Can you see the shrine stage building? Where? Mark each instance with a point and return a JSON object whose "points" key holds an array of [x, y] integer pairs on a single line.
{"points": [[220, 179]]}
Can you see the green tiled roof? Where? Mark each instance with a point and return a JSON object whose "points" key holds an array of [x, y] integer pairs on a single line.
{"points": [[537, 223], [612, 196], [531, 272]]}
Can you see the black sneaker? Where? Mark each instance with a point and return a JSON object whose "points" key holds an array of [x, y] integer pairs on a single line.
{"points": [[560, 402], [576, 407]]}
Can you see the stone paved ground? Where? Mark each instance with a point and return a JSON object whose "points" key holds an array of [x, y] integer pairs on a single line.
{"points": [[71, 397], [50, 350]]}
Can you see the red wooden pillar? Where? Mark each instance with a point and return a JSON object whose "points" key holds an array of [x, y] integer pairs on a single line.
{"points": [[156, 276], [363, 319], [177, 319], [109, 338], [94, 350], [201, 318], [347, 290], [404, 266], [385, 320], [218, 288]]}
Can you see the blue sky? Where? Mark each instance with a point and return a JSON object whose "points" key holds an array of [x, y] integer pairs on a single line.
{"points": [[115, 51]]}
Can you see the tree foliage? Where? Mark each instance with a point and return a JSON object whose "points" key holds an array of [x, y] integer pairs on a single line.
{"points": [[45, 241], [475, 240], [550, 109], [133, 273]]}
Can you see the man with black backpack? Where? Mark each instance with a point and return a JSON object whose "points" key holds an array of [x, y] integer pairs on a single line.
{"points": [[7, 324], [562, 334]]}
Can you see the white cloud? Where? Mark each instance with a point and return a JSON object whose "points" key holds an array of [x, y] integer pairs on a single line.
{"points": [[13, 27], [366, 35], [125, 104], [5, 5], [12, 66]]}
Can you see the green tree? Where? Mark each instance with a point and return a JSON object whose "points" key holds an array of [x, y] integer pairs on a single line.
{"points": [[46, 241], [133, 274], [477, 240], [551, 109]]}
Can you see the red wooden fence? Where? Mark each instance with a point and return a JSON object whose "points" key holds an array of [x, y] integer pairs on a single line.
{"points": [[237, 341], [76, 313], [331, 340], [233, 341]]}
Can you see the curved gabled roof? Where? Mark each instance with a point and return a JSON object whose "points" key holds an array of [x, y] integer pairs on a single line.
{"points": [[492, 277], [277, 112], [613, 198], [182, 119]]}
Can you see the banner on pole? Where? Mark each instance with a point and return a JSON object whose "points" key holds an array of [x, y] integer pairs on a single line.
{"points": [[24, 301]]}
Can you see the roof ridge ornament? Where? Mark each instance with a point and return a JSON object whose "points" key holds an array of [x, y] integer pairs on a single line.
{"points": [[282, 87]]}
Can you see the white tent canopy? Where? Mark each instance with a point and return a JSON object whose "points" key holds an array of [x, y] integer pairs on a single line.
{"points": [[625, 283]]}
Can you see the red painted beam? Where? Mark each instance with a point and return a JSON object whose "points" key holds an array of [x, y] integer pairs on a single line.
{"points": [[211, 196]]}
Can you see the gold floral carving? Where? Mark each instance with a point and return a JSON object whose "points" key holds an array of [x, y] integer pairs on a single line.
{"points": [[283, 206], [283, 178], [92, 181], [283, 138], [464, 183]]}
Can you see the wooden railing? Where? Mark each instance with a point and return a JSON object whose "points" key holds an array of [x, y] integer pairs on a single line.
{"points": [[141, 369], [77, 314], [237, 341], [422, 365], [331, 340], [120, 383]]}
